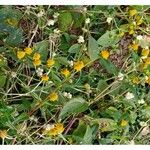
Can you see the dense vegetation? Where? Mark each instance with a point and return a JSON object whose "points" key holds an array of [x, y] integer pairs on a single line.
{"points": [[74, 74]]}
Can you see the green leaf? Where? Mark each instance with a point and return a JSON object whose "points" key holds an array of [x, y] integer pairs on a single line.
{"points": [[2, 79], [113, 113], [107, 124], [146, 112], [74, 48], [42, 48], [76, 105], [65, 20], [102, 84], [93, 48], [87, 139], [109, 66], [62, 60], [110, 38]]}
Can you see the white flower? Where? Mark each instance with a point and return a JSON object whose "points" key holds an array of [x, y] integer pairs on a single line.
{"points": [[49, 127], [84, 9], [129, 95], [146, 47], [80, 39], [145, 131], [131, 142], [65, 94], [139, 37], [40, 14], [13, 74], [141, 101], [143, 124], [56, 31], [120, 76], [70, 63], [134, 22], [87, 20], [109, 19], [69, 95], [55, 15], [39, 72], [50, 22], [54, 54]]}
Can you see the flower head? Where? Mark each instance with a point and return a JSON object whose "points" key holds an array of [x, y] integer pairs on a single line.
{"points": [[78, 65], [105, 54], [132, 12], [50, 62], [54, 130], [3, 134], [36, 56], [20, 54], [37, 62], [39, 72], [28, 50], [81, 39], [129, 95], [87, 20], [65, 72], [120, 76], [134, 46], [45, 77], [53, 96], [50, 22], [124, 123], [109, 19]]}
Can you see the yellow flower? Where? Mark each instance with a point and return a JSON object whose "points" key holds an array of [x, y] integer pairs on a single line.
{"points": [[139, 22], [147, 61], [78, 65], [55, 130], [148, 80], [3, 134], [145, 52], [53, 96], [50, 62], [132, 12], [123, 123], [131, 31], [37, 62], [59, 128], [45, 77], [134, 46], [136, 80], [20, 54], [105, 54], [28, 50], [36, 56], [52, 132], [65, 72]]}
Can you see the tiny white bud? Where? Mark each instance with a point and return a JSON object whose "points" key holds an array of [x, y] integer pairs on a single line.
{"points": [[139, 37], [87, 20], [129, 95], [69, 95], [65, 94], [120, 76], [109, 19], [143, 124], [50, 22], [80, 39], [13, 74]]}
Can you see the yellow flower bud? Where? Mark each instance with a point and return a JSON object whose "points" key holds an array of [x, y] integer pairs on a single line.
{"points": [[105, 54], [28, 50], [20, 54], [78, 65]]}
